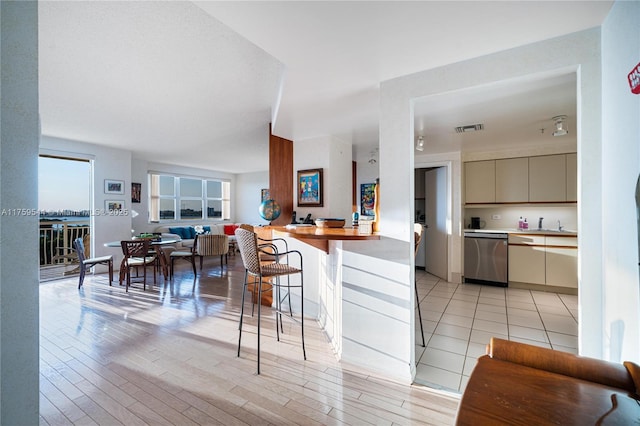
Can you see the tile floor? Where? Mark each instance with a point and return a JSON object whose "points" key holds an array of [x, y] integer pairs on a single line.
{"points": [[459, 320]]}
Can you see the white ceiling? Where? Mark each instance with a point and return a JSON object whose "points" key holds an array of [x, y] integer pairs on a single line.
{"points": [[197, 83]]}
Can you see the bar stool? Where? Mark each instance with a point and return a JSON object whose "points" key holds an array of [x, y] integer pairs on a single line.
{"points": [[250, 252]]}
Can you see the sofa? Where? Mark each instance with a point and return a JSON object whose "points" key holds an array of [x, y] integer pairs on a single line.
{"points": [[187, 232]]}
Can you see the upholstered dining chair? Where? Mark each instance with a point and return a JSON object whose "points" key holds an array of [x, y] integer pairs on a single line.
{"points": [[136, 255], [250, 253], [212, 245], [417, 229], [85, 264]]}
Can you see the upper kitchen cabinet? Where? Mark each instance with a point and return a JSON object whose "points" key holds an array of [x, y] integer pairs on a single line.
{"points": [[548, 178], [540, 179], [480, 181], [512, 180]]}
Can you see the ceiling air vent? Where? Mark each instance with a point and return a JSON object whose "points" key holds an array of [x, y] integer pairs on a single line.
{"points": [[470, 128]]}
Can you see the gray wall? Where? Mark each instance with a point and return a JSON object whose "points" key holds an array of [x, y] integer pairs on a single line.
{"points": [[19, 132]]}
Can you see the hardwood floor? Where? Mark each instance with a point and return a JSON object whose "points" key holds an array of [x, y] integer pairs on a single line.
{"points": [[167, 356]]}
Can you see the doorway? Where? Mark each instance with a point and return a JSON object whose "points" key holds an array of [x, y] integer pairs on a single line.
{"points": [[433, 212], [64, 204]]}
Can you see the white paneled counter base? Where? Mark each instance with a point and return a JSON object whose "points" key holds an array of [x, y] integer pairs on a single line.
{"points": [[361, 294]]}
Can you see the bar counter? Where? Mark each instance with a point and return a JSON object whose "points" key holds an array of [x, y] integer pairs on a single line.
{"points": [[320, 237], [357, 287]]}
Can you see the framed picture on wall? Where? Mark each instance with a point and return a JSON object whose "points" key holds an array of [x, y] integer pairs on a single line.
{"points": [[310, 187], [264, 194], [113, 186], [367, 199], [136, 192], [114, 205]]}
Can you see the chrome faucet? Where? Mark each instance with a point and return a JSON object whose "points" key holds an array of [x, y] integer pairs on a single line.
{"points": [[540, 223], [559, 226]]}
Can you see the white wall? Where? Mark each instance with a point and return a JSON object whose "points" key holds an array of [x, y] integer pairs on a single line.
{"points": [[247, 196], [573, 53], [333, 155], [620, 168]]}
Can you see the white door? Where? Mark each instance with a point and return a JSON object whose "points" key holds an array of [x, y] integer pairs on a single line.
{"points": [[435, 232]]}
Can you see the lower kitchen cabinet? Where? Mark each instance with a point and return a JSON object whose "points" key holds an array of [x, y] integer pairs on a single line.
{"points": [[544, 260], [527, 264], [562, 261]]}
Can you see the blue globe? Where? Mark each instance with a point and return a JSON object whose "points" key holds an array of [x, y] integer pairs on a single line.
{"points": [[269, 210]]}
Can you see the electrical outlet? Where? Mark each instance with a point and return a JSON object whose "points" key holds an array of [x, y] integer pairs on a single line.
{"points": [[496, 217]]}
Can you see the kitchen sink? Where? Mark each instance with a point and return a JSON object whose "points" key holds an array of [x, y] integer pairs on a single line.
{"points": [[551, 231]]}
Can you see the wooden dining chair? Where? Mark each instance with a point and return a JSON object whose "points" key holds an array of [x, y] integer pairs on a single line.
{"points": [[136, 255], [85, 264], [185, 253]]}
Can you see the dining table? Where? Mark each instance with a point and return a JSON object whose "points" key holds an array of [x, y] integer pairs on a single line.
{"points": [[156, 243]]}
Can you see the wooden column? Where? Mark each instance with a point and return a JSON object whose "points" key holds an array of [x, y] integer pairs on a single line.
{"points": [[281, 176]]}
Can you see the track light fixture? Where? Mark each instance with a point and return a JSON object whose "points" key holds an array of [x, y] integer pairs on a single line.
{"points": [[420, 143]]}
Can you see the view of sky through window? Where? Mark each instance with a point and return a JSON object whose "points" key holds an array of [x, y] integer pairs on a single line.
{"points": [[63, 184]]}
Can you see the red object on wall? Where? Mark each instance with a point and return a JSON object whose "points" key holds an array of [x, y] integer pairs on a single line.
{"points": [[634, 79]]}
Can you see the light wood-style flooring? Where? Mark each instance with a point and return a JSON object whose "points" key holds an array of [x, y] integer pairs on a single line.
{"points": [[167, 356]]}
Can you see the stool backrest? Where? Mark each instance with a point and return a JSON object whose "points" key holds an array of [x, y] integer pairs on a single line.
{"points": [[248, 245]]}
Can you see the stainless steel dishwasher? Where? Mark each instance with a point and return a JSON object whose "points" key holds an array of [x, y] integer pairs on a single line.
{"points": [[485, 258]]}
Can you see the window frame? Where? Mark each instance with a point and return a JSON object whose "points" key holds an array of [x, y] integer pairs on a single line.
{"points": [[155, 197]]}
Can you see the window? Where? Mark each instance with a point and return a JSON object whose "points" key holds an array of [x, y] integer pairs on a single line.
{"points": [[188, 198]]}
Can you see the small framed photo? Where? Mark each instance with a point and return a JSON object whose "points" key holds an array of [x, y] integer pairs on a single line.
{"points": [[113, 186], [111, 205], [264, 194], [310, 187], [136, 192]]}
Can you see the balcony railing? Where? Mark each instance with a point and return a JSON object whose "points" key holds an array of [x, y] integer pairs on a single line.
{"points": [[56, 238]]}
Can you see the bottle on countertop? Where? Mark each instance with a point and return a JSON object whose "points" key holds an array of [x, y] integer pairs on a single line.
{"points": [[525, 224], [520, 224]]}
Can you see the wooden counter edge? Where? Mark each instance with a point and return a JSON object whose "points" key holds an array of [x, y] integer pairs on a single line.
{"points": [[320, 241]]}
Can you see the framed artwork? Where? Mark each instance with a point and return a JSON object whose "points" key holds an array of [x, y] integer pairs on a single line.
{"points": [[367, 199], [264, 194], [136, 192], [310, 187], [110, 205], [113, 186]]}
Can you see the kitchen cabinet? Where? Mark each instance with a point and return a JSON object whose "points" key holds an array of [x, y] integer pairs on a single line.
{"points": [[540, 179], [561, 261], [527, 259], [480, 181], [512, 180], [572, 177], [548, 178], [544, 260]]}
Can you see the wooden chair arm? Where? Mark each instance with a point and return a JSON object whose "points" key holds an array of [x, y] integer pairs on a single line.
{"points": [[590, 369]]}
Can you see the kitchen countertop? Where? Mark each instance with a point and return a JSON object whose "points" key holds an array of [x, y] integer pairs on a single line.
{"points": [[553, 232]]}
